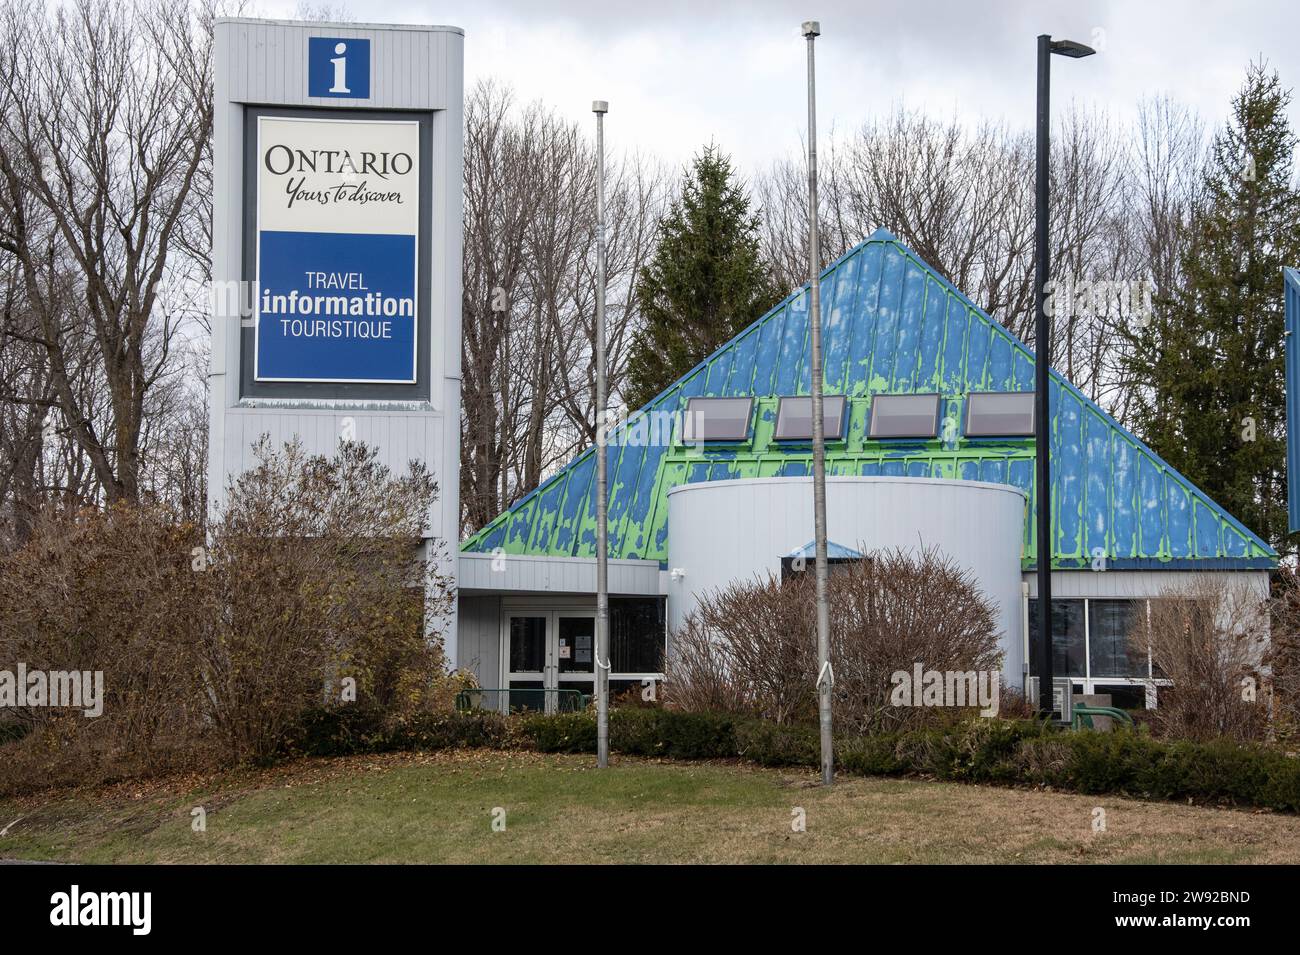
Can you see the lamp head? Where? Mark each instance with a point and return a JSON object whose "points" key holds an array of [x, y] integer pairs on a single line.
{"points": [[1071, 49]]}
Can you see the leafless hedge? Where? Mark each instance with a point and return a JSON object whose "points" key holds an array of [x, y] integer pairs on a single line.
{"points": [[311, 588], [751, 648], [1209, 638], [1283, 657]]}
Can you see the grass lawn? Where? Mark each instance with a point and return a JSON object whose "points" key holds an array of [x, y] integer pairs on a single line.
{"points": [[439, 808]]}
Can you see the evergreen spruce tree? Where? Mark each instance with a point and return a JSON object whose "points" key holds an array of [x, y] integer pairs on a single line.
{"points": [[1210, 367], [705, 282]]}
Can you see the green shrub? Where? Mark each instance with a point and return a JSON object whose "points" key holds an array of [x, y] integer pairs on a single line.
{"points": [[353, 728], [673, 734], [874, 755], [558, 733], [985, 750], [778, 744], [477, 729], [337, 731], [1005, 752]]}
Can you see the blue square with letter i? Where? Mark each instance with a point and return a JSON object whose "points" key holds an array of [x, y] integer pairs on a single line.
{"points": [[338, 67]]}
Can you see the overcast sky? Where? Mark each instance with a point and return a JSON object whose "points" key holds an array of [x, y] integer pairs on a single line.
{"points": [[679, 74]]}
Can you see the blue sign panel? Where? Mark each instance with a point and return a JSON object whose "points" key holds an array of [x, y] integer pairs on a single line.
{"points": [[337, 307], [338, 67], [337, 250]]}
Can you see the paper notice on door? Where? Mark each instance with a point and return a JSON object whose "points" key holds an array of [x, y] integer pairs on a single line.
{"points": [[565, 652]]}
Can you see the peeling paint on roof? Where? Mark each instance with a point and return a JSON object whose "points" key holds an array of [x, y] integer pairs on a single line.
{"points": [[891, 325]]}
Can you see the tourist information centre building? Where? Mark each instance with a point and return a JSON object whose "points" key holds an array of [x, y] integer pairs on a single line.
{"points": [[929, 425]]}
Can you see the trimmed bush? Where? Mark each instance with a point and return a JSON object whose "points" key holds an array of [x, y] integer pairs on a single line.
{"points": [[337, 731], [560, 733], [479, 729], [774, 744], [998, 752], [672, 734], [352, 728]]}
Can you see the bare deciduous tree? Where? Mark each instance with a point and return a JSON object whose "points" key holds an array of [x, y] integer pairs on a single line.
{"points": [[528, 307], [751, 647], [1209, 638], [962, 199], [106, 121]]}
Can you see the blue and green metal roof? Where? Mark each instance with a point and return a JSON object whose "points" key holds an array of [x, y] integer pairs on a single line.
{"points": [[891, 325]]}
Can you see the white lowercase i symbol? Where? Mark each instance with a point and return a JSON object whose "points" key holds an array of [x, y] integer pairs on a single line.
{"points": [[798, 819], [1098, 819], [199, 819], [340, 63], [498, 819]]}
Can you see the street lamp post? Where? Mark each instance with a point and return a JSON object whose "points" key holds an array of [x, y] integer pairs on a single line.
{"points": [[825, 674], [1042, 423], [600, 108]]}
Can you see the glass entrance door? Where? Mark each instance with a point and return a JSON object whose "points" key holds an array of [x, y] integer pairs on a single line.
{"points": [[549, 660], [575, 658], [527, 666]]}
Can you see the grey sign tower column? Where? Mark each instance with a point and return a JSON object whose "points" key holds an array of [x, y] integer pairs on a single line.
{"points": [[336, 248]]}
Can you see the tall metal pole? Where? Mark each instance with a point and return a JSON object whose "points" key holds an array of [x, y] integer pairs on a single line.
{"points": [[825, 674], [1042, 341], [600, 108]]}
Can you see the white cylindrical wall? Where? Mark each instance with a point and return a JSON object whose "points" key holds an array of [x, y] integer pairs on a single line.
{"points": [[723, 531]]}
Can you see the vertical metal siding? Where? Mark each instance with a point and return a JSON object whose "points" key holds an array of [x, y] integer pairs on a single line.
{"points": [[737, 531]]}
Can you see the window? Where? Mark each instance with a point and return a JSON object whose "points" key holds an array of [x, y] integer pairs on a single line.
{"points": [[794, 419], [904, 416], [527, 644], [1109, 624], [1125, 696], [1000, 414], [1069, 639], [637, 634], [1090, 642], [717, 419]]}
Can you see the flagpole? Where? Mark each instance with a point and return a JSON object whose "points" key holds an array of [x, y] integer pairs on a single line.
{"points": [[825, 674], [600, 108]]}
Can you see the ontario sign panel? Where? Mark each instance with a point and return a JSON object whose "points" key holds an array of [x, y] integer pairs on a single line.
{"points": [[337, 231]]}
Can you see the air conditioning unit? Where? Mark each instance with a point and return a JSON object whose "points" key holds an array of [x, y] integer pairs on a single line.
{"points": [[1062, 697]]}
